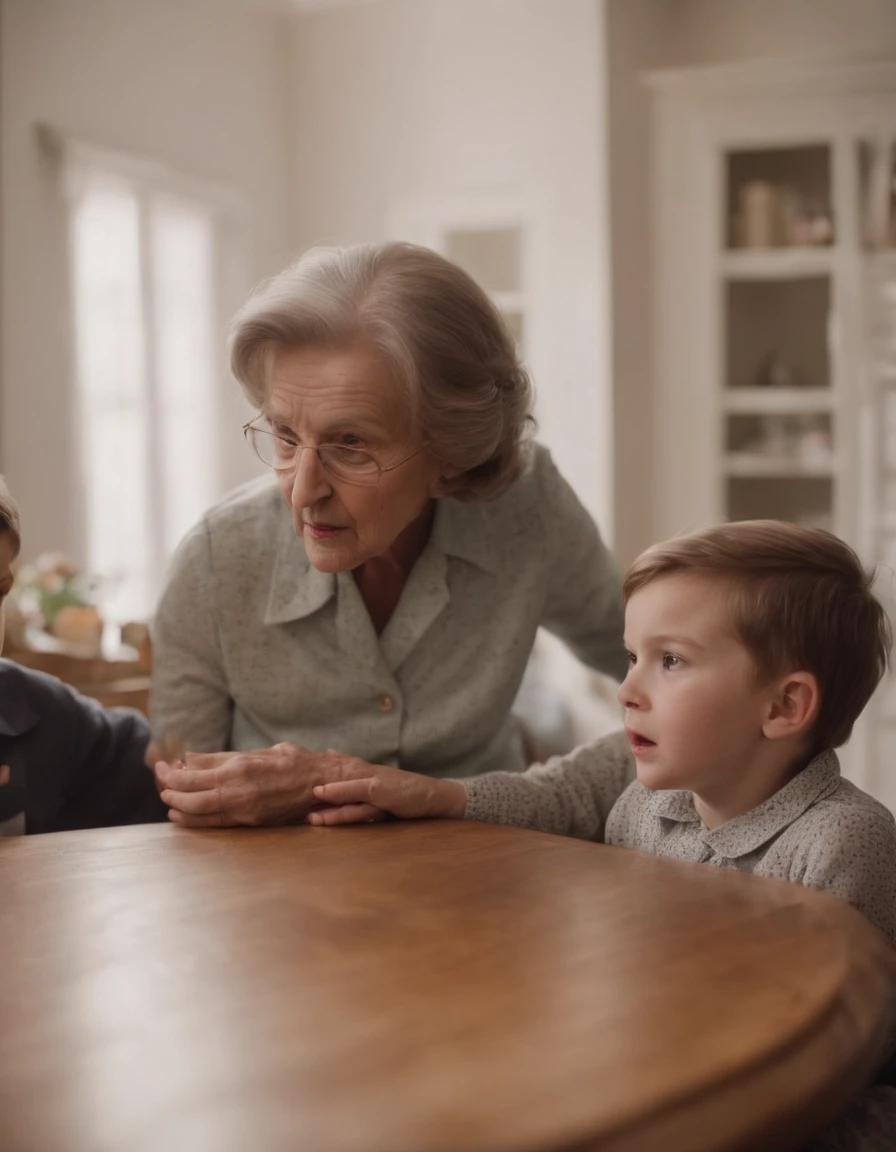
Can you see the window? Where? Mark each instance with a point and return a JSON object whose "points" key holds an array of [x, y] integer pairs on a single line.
{"points": [[145, 253]]}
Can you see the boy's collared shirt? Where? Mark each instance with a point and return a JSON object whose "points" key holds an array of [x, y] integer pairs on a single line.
{"points": [[818, 830], [73, 764]]}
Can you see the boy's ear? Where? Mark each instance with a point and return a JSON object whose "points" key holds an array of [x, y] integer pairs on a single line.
{"points": [[793, 707]]}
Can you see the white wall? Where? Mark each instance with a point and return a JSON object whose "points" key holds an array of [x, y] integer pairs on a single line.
{"points": [[413, 100], [646, 34], [709, 32], [202, 86]]}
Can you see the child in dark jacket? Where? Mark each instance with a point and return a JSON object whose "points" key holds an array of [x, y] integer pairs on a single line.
{"points": [[65, 762]]}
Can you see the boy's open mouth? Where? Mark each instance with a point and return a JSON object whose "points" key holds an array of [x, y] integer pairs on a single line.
{"points": [[638, 742]]}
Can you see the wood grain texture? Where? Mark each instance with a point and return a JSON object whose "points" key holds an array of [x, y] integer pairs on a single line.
{"points": [[420, 986]]}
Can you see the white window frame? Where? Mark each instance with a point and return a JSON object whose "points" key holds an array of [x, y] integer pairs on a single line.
{"points": [[79, 163]]}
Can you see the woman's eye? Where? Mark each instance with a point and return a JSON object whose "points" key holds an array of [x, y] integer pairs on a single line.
{"points": [[670, 662], [630, 656]]}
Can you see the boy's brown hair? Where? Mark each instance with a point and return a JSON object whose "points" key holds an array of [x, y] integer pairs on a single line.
{"points": [[9, 516], [801, 600]]}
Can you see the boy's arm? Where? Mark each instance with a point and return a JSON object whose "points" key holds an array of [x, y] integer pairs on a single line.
{"points": [[109, 783], [82, 766], [569, 795]]}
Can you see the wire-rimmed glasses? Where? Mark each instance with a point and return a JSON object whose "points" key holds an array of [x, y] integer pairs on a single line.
{"points": [[353, 465]]}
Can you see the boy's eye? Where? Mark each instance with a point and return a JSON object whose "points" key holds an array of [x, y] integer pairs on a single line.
{"points": [[630, 656], [670, 662]]}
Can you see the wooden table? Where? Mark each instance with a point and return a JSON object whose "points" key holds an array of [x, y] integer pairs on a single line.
{"points": [[416, 987]]}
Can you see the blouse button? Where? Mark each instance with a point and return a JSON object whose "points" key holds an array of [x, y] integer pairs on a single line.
{"points": [[386, 703]]}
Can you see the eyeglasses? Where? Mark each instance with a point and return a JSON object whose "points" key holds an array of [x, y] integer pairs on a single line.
{"points": [[349, 464]]}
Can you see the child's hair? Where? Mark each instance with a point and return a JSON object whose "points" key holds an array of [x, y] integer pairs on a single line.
{"points": [[9, 516], [801, 600]]}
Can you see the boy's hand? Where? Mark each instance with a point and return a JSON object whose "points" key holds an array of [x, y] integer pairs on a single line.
{"points": [[388, 791]]}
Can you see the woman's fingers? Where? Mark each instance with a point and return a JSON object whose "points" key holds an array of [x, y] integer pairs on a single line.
{"points": [[186, 779], [194, 803], [205, 760], [346, 791], [347, 814]]}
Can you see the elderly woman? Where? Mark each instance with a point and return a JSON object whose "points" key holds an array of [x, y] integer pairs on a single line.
{"points": [[380, 593]]}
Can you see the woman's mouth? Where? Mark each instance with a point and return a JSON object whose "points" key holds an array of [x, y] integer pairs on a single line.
{"points": [[322, 531], [638, 742]]}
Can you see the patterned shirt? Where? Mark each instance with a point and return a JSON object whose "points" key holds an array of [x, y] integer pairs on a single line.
{"points": [[253, 646], [818, 830]]}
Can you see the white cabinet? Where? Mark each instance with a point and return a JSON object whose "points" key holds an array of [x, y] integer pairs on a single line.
{"points": [[774, 322]]}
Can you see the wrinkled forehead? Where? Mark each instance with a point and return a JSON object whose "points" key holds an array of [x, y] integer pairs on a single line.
{"points": [[320, 387]]}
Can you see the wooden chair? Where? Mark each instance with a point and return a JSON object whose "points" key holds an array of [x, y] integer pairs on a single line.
{"points": [[113, 683]]}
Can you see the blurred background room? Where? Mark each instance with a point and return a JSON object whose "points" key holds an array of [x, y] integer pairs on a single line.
{"points": [[686, 210]]}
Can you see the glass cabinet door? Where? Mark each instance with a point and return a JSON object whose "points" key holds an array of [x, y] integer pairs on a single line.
{"points": [[879, 307], [779, 442]]}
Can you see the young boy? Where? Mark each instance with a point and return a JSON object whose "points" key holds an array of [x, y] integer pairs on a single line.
{"points": [[65, 762], [753, 647]]}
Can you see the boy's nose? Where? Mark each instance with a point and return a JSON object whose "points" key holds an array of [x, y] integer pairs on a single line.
{"points": [[628, 694]]}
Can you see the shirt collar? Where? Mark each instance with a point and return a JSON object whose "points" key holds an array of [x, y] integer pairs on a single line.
{"points": [[298, 589], [16, 713], [463, 529], [747, 833]]}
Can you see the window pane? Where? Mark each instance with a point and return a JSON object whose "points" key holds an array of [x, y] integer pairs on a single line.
{"points": [[185, 357], [112, 395]]}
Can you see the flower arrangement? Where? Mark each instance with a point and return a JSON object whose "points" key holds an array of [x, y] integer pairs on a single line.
{"points": [[51, 595]]}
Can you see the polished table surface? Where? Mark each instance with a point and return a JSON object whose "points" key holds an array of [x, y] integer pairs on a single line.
{"points": [[435, 985]]}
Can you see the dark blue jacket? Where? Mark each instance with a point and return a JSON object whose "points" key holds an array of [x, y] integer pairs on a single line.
{"points": [[73, 763]]}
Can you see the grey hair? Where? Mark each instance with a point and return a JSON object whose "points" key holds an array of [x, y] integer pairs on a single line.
{"points": [[9, 516], [448, 344]]}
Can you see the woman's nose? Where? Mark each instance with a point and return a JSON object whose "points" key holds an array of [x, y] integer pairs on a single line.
{"points": [[310, 481]]}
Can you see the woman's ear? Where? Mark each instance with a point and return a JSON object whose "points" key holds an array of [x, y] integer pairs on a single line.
{"points": [[444, 482], [793, 706]]}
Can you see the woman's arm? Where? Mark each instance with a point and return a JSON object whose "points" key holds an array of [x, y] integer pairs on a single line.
{"points": [[568, 796], [583, 604], [190, 701]]}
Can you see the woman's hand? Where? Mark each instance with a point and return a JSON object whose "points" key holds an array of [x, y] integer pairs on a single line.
{"points": [[270, 786], [388, 791]]}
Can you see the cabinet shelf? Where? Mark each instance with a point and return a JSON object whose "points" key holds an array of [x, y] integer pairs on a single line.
{"points": [[759, 401], [753, 465], [776, 263]]}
